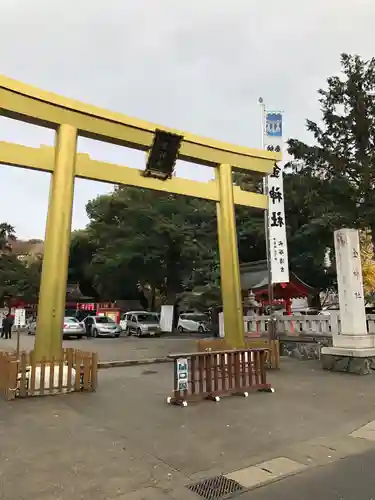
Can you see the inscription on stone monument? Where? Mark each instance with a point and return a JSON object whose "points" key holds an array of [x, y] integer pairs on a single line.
{"points": [[349, 281]]}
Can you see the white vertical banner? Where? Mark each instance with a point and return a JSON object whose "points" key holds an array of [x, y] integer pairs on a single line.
{"points": [[20, 318], [278, 247]]}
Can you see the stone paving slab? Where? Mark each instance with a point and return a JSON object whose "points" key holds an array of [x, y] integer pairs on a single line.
{"points": [[250, 476], [281, 466], [266, 472], [365, 432], [125, 440]]}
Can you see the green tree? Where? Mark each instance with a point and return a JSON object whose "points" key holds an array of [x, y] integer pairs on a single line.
{"points": [[309, 223], [7, 234], [29, 280], [137, 237], [250, 222], [343, 154], [82, 251], [17, 279], [368, 265], [139, 240]]}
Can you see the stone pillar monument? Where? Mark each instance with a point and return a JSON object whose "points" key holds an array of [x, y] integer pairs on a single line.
{"points": [[353, 348]]}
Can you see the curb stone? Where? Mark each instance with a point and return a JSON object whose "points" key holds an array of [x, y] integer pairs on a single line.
{"points": [[266, 472], [132, 362], [281, 467]]}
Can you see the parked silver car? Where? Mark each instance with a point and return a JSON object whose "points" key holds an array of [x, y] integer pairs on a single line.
{"points": [[143, 323], [101, 326], [72, 328]]}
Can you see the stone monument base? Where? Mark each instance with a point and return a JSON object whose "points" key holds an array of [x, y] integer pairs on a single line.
{"points": [[350, 342], [342, 359]]}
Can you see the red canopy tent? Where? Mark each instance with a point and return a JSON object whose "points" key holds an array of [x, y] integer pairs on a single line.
{"points": [[254, 277]]}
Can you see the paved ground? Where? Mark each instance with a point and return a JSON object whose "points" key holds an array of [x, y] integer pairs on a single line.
{"points": [[351, 478], [124, 442], [120, 349]]}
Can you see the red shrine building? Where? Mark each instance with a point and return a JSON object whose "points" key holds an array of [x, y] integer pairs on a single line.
{"points": [[254, 278]]}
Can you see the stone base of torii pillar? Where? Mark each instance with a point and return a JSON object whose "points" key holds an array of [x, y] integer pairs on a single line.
{"points": [[353, 349]]}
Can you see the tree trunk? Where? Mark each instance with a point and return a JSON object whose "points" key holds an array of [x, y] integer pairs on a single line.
{"points": [[176, 313], [143, 300]]}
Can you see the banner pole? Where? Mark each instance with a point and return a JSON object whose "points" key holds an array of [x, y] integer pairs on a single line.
{"points": [[271, 329]]}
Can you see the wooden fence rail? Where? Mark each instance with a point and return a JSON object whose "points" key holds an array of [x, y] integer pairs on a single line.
{"points": [[22, 376], [272, 348], [209, 375]]}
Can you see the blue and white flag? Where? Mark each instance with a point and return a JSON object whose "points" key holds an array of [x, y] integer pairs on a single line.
{"points": [[278, 247]]}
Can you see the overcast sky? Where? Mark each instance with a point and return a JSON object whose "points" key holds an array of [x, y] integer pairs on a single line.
{"points": [[197, 65]]}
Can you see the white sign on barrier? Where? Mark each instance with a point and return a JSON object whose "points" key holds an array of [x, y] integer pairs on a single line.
{"points": [[182, 377]]}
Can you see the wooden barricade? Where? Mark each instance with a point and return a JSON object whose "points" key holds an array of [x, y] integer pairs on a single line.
{"points": [[8, 377], [272, 348], [23, 376], [209, 375]]}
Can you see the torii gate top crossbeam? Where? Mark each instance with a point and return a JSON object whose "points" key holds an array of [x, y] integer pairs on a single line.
{"points": [[42, 159], [29, 104]]}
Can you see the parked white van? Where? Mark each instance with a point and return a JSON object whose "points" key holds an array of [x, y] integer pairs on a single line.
{"points": [[193, 322]]}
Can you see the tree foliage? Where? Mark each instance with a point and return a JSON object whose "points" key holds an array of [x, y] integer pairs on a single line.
{"points": [[368, 265], [343, 155], [250, 222], [7, 234], [16, 278], [309, 228], [137, 237]]}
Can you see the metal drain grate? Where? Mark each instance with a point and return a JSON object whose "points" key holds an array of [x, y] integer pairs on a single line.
{"points": [[216, 488]]}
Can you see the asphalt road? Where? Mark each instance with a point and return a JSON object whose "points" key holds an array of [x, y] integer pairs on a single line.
{"points": [[352, 478], [110, 349]]}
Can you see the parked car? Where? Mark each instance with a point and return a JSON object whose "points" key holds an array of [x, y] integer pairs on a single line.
{"points": [[127, 317], [142, 323], [101, 326], [307, 311], [193, 322], [72, 328], [333, 309], [31, 327]]}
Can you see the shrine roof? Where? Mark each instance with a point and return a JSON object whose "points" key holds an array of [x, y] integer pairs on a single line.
{"points": [[254, 276]]}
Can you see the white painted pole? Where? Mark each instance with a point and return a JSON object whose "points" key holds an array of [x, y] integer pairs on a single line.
{"points": [[266, 228]]}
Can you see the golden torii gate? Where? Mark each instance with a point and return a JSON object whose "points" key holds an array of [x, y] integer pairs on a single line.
{"points": [[71, 119]]}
